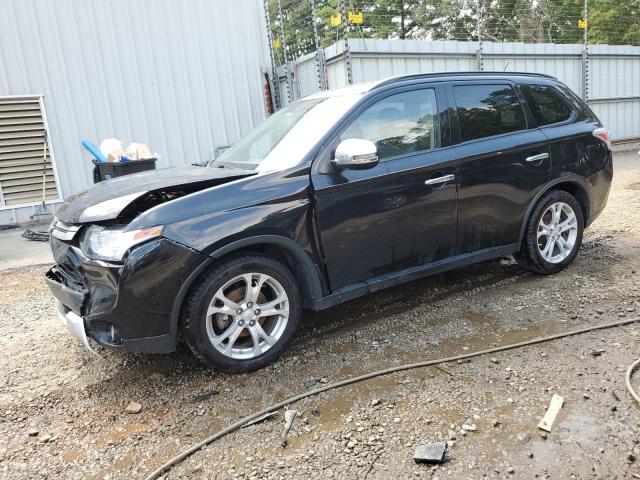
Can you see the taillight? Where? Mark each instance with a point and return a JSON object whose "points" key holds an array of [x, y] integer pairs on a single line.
{"points": [[603, 134]]}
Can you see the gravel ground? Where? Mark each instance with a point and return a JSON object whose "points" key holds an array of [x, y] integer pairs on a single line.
{"points": [[63, 411]]}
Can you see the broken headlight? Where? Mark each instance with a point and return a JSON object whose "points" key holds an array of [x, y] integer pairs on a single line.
{"points": [[112, 242]]}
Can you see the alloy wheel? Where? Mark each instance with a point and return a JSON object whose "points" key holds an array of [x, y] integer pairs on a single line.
{"points": [[557, 232], [247, 315]]}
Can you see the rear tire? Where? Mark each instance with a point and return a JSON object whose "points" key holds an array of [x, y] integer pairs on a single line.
{"points": [[553, 234], [236, 328]]}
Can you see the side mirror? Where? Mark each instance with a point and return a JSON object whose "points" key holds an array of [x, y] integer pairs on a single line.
{"points": [[356, 154]]}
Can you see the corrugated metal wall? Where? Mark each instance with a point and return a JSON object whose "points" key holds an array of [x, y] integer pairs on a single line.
{"points": [[181, 76], [613, 74]]}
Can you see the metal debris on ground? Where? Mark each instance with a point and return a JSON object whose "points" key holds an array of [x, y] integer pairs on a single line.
{"points": [[264, 417], [289, 416], [550, 416], [205, 395], [430, 452]]}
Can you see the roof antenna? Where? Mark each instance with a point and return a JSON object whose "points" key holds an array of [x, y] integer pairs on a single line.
{"points": [[505, 67]]}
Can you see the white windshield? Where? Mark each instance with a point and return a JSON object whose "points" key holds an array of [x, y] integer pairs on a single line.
{"points": [[285, 137]]}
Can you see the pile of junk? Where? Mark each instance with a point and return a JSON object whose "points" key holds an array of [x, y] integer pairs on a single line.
{"points": [[112, 160]]}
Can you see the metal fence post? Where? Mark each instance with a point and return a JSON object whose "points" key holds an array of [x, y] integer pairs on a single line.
{"points": [[479, 58], [284, 51], [319, 53], [275, 81], [585, 55], [345, 31]]}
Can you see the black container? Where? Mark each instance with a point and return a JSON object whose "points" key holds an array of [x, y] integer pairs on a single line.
{"points": [[107, 170]]}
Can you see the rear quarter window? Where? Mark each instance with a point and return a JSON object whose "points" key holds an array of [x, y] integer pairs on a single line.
{"points": [[488, 110], [546, 104]]}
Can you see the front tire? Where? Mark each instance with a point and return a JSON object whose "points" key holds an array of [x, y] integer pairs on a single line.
{"points": [[242, 314], [553, 235]]}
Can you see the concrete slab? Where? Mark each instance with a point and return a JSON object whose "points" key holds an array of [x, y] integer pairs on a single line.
{"points": [[16, 251]]}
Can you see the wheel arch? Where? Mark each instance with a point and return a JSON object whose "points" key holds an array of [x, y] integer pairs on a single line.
{"points": [[569, 185], [281, 248]]}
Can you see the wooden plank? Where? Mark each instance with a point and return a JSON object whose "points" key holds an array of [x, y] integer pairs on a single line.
{"points": [[550, 416]]}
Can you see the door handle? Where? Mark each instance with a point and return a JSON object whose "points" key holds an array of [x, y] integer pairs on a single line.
{"points": [[446, 178], [535, 158]]}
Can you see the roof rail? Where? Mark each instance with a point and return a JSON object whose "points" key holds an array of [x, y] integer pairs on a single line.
{"points": [[418, 76]]}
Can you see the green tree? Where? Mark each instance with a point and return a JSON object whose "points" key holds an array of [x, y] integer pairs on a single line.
{"points": [[553, 21]]}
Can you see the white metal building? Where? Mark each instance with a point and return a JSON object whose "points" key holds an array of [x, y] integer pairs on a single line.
{"points": [[181, 76]]}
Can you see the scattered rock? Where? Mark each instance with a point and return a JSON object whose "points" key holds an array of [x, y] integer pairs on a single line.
{"points": [[469, 428], [33, 432], [523, 437], [430, 452], [133, 407]]}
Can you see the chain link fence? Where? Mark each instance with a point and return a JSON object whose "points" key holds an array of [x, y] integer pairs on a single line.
{"points": [[302, 29]]}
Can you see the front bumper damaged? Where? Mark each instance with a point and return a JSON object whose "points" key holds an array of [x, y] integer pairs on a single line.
{"points": [[75, 324], [126, 305]]}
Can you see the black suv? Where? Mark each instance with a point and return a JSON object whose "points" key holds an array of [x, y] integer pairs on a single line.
{"points": [[340, 194]]}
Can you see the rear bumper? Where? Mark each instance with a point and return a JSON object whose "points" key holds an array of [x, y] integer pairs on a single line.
{"points": [[599, 185], [125, 306]]}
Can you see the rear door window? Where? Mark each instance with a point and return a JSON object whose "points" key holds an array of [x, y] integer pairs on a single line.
{"points": [[488, 110], [546, 104], [401, 124]]}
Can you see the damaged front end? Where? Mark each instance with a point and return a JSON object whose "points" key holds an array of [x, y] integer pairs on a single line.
{"points": [[128, 196], [116, 284]]}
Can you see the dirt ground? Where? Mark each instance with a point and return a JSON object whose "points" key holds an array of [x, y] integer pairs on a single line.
{"points": [[62, 412]]}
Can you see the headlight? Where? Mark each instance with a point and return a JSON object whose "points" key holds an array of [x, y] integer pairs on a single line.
{"points": [[111, 243]]}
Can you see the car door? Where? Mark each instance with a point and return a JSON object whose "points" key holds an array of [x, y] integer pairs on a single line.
{"points": [[503, 161], [568, 128], [400, 213]]}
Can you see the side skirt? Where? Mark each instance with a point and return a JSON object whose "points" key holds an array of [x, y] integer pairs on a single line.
{"points": [[379, 283]]}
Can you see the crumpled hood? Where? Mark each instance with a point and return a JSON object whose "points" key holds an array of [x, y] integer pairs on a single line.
{"points": [[106, 200]]}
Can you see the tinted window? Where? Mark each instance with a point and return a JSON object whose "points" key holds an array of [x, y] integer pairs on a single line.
{"points": [[400, 124], [546, 104], [486, 110]]}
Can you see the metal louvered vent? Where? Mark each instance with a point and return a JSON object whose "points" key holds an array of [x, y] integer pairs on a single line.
{"points": [[22, 153]]}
